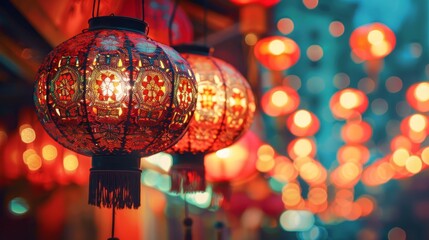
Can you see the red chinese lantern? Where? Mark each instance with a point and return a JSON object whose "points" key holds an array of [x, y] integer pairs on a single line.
{"points": [[372, 41], [418, 96], [235, 163], [224, 112], [348, 103], [303, 123], [277, 53], [70, 17], [253, 15], [266, 3], [115, 95], [415, 127], [280, 101]]}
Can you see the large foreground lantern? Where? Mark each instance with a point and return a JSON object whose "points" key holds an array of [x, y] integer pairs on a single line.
{"points": [[224, 112], [116, 95]]}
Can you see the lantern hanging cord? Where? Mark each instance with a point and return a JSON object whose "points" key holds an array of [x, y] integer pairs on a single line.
{"points": [[113, 224], [186, 207], [143, 16], [93, 8], [170, 22], [205, 23]]}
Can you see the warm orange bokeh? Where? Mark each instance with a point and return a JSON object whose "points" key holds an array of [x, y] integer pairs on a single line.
{"points": [[372, 41], [348, 103], [357, 132], [303, 123], [234, 163], [355, 153], [277, 53], [418, 96], [280, 101]]}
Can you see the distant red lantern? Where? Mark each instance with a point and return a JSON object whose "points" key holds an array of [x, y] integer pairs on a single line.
{"points": [[280, 101], [356, 132], [348, 103], [73, 17], [303, 123], [277, 53], [232, 164], [418, 96], [415, 127], [301, 148], [266, 3], [372, 41]]}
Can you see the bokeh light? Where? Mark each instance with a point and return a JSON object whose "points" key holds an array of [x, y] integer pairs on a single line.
{"points": [[277, 53], [372, 41], [280, 101], [314, 53], [296, 220], [285, 25], [336, 28], [18, 206]]}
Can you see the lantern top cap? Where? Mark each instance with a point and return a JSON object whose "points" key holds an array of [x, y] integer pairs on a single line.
{"points": [[192, 48], [118, 22]]}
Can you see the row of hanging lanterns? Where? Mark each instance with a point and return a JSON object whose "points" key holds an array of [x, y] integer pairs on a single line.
{"points": [[370, 42]]}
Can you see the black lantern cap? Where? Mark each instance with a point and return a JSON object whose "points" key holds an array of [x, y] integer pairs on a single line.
{"points": [[118, 22], [192, 48]]}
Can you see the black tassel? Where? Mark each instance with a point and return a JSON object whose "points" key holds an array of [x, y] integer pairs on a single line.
{"points": [[114, 181], [187, 173], [219, 230], [188, 228]]}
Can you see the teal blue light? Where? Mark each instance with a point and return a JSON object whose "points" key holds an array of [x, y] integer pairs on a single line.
{"points": [[18, 206], [164, 183], [276, 185], [150, 178]]}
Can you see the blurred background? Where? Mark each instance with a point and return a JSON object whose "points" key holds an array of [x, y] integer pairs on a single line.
{"points": [[338, 148]]}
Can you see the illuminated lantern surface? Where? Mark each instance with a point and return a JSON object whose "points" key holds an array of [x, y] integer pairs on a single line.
{"points": [[372, 41], [224, 112], [277, 53], [418, 96], [266, 3], [114, 94], [348, 103], [279, 101]]}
